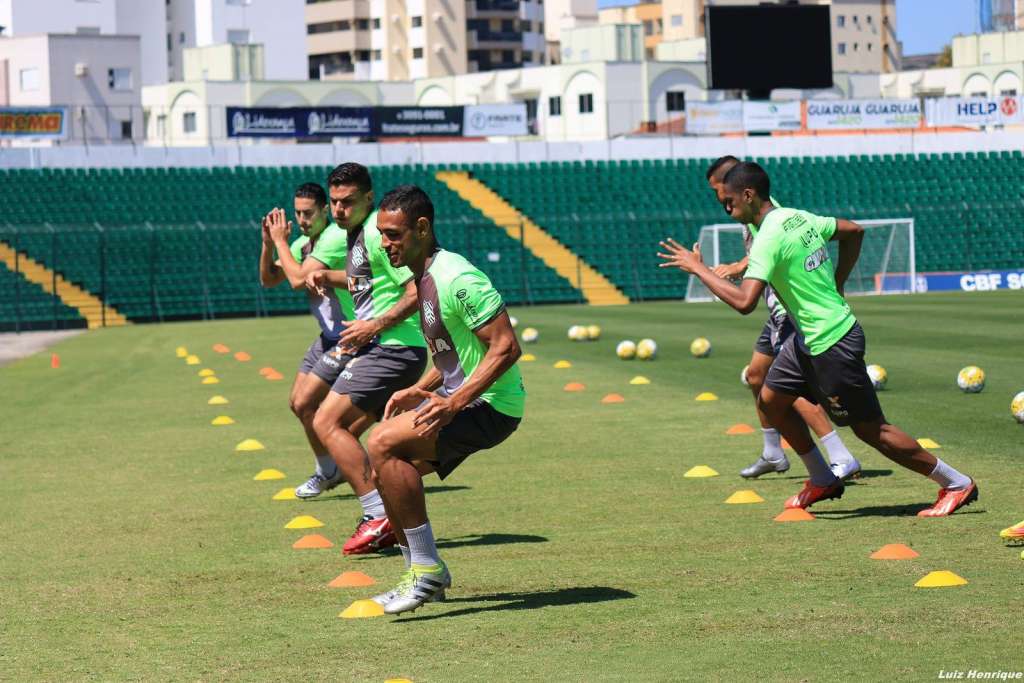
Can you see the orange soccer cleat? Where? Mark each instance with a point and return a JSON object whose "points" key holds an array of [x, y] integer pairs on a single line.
{"points": [[1013, 533], [949, 501], [811, 494]]}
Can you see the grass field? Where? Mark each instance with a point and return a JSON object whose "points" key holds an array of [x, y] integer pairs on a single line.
{"points": [[136, 544]]}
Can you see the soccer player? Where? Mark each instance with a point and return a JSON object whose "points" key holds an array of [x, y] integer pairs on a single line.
{"points": [[391, 354], [471, 400], [825, 362], [320, 248], [777, 329]]}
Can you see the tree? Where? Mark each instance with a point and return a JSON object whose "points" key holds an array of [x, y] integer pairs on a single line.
{"points": [[945, 57]]}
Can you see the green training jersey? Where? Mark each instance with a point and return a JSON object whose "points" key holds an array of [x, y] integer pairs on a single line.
{"points": [[790, 252], [330, 249], [376, 285], [776, 311], [455, 300]]}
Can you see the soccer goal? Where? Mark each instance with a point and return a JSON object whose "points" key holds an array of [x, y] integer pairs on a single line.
{"points": [[886, 264]]}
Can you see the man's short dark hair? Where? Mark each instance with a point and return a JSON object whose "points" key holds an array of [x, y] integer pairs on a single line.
{"points": [[719, 163], [314, 191], [351, 173], [748, 174], [410, 200]]}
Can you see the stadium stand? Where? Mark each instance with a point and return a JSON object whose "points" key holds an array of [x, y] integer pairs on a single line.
{"points": [[26, 306]]}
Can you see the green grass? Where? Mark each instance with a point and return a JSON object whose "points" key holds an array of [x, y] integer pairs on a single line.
{"points": [[137, 546]]}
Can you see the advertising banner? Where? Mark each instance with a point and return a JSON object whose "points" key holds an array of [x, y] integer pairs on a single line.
{"points": [[768, 116], [963, 281], [412, 122], [974, 111], [860, 114], [714, 118], [483, 120], [299, 122], [34, 122], [339, 121]]}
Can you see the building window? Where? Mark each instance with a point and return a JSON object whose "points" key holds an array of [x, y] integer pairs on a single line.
{"points": [[238, 36], [648, 27], [126, 130], [328, 27], [377, 55], [188, 122], [1008, 93], [362, 24], [161, 125], [119, 79], [362, 55], [676, 20], [554, 106], [840, 20], [376, 22], [417, 53], [855, 46], [508, 25], [675, 101], [869, 47], [508, 56], [29, 79], [170, 42], [868, 19], [586, 103], [841, 48], [181, 38], [416, 22]]}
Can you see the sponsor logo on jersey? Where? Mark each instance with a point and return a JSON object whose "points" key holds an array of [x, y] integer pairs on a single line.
{"points": [[836, 407], [438, 346], [463, 296], [815, 260], [428, 313], [358, 258]]}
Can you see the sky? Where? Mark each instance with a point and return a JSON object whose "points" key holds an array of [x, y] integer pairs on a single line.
{"points": [[922, 25]]}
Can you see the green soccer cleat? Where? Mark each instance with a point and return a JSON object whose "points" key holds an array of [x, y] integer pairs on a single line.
{"points": [[424, 584]]}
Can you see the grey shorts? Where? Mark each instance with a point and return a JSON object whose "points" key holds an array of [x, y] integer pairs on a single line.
{"points": [[477, 427], [837, 379], [773, 336], [376, 372], [324, 359]]}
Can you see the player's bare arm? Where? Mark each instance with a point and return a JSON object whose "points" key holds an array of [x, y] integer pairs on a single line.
{"points": [[271, 274], [732, 270], [280, 229], [408, 399], [850, 237], [359, 332], [502, 353], [743, 298], [319, 280]]}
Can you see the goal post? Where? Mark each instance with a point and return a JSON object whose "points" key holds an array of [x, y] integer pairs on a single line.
{"points": [[886, 265]]}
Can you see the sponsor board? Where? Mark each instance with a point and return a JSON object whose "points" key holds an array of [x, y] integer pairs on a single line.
{"points": [[857, 114], [974, 111], [483, 120], [34, 122], [961, 281]]}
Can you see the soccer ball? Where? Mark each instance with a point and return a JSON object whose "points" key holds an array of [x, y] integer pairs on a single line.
{"points": [[700, 347], [743, 376], [646, 349], [530, 335], [625, 350], [515, 321], [1017, 407], [971, 379], [878, 376], [593, 332], [577, 333]]}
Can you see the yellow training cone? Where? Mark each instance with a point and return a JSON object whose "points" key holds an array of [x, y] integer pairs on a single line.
{"points": [[222, 420], [707, 396], [217, 401], [192, 360], [211, 380], [249, 445], [928, 443], [562, 364], [304, 522], [285, 494], [639, 379], [267, 475], [700, 471], [527, 357], [361, 609], [744, 496], [181, 352], [940, 579], [206, 372], [398, 680]]}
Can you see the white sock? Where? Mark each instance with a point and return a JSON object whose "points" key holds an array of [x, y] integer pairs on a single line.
{"points": [[373, 505], [821, 474], [422, 550], [772, 445], [406, 555], [948, 478], [325, 466], [838, 453]]}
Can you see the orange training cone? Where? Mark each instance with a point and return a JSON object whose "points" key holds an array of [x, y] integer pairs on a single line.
{"points": [[242, 356], [274, 376], [613, 398], [574, 386], [794, 515], [894, 551], [312, 541], [739, 429], [54, 361], [220, 348], [267, 370], [351, 580]]}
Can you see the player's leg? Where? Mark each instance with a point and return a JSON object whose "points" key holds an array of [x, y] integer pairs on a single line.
{"points": [[842, 461], [772, 458]]}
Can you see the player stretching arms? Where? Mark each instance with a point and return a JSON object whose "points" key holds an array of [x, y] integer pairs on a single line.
{"points": [[320, 247], [777, 329], [825, 363], [472, 400], [391, 351]]}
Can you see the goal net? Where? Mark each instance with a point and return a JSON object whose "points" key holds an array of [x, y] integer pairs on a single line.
{"points": [[886, 264]]}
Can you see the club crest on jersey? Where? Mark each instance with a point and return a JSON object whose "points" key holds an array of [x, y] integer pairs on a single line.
{"points": [[357, 256], [428, 313]]}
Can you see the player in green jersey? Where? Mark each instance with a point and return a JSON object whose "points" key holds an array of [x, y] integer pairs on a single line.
{"points": [[825, 362]]}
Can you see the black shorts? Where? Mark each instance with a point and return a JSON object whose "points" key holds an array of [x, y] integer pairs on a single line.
{"points": [[376, 372], [837, 379], [477, 427], [324, 359], [773, 336]]}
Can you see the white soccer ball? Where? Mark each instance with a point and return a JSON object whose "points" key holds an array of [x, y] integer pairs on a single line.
{"points": [[530, 335], [577, 333], [701, 347], [626, 350], [1017, 407], [743, 376], [514, 320], [593, 332], [971, 379], [878, 376], [647, 349]]}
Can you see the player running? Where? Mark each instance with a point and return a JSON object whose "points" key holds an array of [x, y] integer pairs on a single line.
{"points": [[320, 249], [825, 363], [471, 400], [391, 351], [777, 329]]}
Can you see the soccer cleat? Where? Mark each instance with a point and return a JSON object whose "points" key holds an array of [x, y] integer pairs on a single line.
{"points": [[763, 466], [1013, 533], [317, 484], [370, 535], [387, 596], [812, 494], [419, 585], [846, 470], [949, 501]]}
